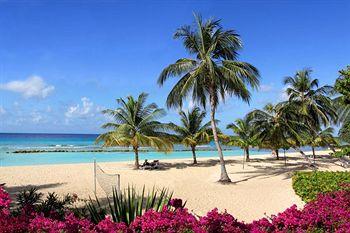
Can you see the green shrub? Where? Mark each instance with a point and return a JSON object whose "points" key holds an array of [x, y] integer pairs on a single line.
{"points": [[50, 205], [345, 151], [308, 185]]}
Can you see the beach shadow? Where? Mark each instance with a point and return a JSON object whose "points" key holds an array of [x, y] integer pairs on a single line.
{"points": [[14, 190], [278, 167], [183, 165]]}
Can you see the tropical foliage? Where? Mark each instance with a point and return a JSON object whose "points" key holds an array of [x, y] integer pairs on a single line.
{"points": [[345, 151], [211, 73], [322, 138], [329, 212], [276, 126], [244, 135], [342, 86], [308, 185], [192, 132], [303, 120], [135, 124], [127, 205]]}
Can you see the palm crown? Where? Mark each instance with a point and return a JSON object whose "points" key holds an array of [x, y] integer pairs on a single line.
{"points": [[192, 131], [214, 70], [244, 135], [313, 103], [135, 124]]}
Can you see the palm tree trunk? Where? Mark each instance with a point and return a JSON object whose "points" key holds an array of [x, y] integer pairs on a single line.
{"points": [[137, 164], [313, 152], [224, 176], [194, 154], [276, 153], [332, 148], [303, 154], [247, 154]]}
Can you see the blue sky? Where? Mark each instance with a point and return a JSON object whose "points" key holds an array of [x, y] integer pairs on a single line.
{"points": [[61, 62]]}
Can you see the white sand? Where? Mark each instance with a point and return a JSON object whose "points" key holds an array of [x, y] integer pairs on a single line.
{"points": [[264, 186]]}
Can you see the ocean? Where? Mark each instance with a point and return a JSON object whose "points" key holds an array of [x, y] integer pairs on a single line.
{"points": [[81, 148]]}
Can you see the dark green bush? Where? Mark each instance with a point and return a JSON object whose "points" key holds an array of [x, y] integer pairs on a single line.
{"points": [[50, 206], [308, 185]]}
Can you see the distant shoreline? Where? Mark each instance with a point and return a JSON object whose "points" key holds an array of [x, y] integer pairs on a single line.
{"points": [[102, 150]]}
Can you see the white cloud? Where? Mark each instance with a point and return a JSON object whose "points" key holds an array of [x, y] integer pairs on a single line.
{"points": [[81, 111], [33, 86], [2, 110], [266, 87], [36, 117]]}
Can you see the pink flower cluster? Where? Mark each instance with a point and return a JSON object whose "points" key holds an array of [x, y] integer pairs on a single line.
{"points": [[328, 213], [5, 202]]}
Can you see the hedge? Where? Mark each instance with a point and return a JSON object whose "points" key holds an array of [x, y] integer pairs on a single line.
{"points": [[308, 185]]}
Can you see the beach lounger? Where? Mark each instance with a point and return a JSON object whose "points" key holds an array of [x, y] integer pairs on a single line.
{"points": [[150, 166]]}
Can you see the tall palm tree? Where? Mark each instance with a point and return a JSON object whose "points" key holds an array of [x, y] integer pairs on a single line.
{"points": [[244, 135], [211, 73], [135, 124], [342, 103], [276, 127], [192, 132], [313, 102]]}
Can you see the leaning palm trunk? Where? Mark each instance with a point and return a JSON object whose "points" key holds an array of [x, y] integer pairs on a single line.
{"points": [[193, 148], [224, 176], [313, 152], [303, 154]]}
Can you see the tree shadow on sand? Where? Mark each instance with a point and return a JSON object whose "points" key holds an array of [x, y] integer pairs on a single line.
{"points": [[279, 167], [13, 190], [183, 165]]}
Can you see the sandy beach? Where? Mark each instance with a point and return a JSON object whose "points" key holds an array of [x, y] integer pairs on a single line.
{"points": [[264, 186]]}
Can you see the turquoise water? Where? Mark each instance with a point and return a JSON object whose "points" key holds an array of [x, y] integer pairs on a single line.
{"points": [[75, 142]]}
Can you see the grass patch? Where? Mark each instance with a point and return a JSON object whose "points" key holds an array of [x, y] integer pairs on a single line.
{"points": [[308, 185]]}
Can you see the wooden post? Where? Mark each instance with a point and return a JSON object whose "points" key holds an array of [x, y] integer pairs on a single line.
{"points": [[95, 176]]}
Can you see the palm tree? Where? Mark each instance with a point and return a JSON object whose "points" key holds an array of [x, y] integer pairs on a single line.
{"points": [[136, 125], [312, 102], [321, 138], [276, 127], [192, 132], [211, 73], [244, 135], [342, 103]]}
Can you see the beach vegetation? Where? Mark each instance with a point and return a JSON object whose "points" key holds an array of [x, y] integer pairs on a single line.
{"points": [[211, 73], [322, 138], [126, 205], [342, 103], [192, 131], [329, 212], [136, 124], [344, 151], [244, 136], [313, 103], [308, 185], [276, 127]]}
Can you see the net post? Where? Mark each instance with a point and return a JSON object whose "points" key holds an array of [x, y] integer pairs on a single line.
{"points": [[95, 176], [118, 183]]}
